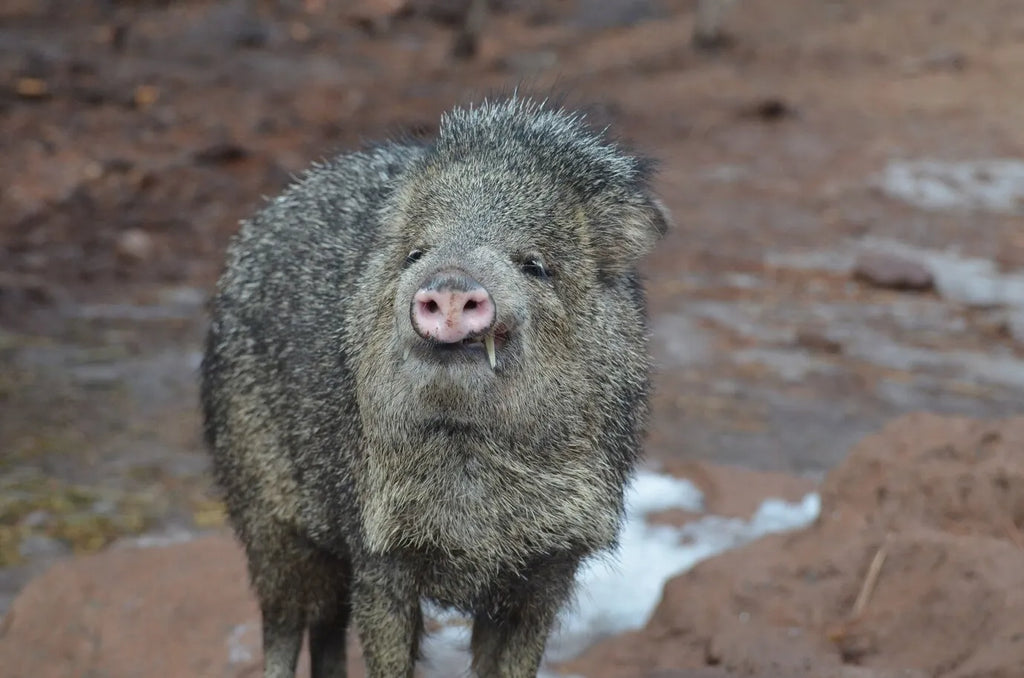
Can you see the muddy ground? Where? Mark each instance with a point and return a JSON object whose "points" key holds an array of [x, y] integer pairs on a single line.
{"points": [[136, 134]]}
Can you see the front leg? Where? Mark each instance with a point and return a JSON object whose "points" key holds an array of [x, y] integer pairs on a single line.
{"points": [[508, 640], [386, 611], [282, 640]]}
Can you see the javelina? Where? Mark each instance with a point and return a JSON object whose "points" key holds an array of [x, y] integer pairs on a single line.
{"points": [[426, 377]]}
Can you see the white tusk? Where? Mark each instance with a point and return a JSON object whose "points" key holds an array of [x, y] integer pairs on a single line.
{"points": [[489, 345]]}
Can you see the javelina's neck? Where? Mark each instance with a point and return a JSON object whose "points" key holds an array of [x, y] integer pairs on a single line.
{"points": [[492, 499]]}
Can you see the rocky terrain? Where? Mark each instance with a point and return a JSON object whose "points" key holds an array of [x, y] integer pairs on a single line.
{"points": [[847, 179]]}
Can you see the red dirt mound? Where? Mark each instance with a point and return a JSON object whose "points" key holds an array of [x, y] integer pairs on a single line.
{"points": [[914, 568]]}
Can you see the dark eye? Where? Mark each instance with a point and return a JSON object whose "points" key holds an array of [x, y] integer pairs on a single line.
{"points": [[413, 257], [534, 265]]}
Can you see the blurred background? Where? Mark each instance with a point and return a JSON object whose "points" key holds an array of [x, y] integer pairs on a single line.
{"points": [[846, 177]]}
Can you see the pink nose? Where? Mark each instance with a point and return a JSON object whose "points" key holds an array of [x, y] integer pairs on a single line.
{"points": [[450, 307]]}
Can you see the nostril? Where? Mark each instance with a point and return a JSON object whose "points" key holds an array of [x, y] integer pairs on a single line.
{"points": [[449, 309]]}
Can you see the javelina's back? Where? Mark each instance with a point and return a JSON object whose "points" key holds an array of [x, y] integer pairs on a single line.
{"points": [[426, 376]]}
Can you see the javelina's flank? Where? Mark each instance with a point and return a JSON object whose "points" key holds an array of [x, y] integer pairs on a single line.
{"points": [[426, 377]]}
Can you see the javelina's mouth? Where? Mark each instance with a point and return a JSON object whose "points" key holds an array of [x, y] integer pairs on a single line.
{"points": [[489, 344]]}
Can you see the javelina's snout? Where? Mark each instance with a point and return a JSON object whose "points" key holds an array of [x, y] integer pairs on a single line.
{"points": [[451, 306]]}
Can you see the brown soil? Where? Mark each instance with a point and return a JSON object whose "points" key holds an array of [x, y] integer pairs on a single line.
{"points": [[136, 134], [938, 502]]}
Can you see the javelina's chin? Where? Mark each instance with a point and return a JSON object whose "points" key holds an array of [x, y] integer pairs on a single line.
{"points": [[450, 357]]}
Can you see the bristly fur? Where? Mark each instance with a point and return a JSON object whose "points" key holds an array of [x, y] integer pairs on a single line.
{"points": [[360, 475]]}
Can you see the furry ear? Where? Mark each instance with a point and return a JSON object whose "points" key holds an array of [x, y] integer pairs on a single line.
{"points": [[628, 232]]}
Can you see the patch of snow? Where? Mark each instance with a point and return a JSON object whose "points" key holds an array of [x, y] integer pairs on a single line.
{"points": [[238, 651], [791, 365], [744, 318], [167, 537], [812, 260], [976, 282], [726, 174], [679, 341], [652, 492], [1002, 368], [992, 185], [446, 651], [743, 281]]}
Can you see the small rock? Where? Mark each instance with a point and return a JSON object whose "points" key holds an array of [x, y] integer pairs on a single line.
{"points": [[105, 507], [96, 376], [135, 245], [37, 518], [220, 153], [32, 88], [942, 59], [608, 14], [299, 31], [769, 109], [145, 96], [39, 546], [250, 32], [1015, 325], [817, 341], [183, 297], [448, 12], [236, 23], [892, 271], [375, 15], [27, 288], [946, 59], [709, 32]]}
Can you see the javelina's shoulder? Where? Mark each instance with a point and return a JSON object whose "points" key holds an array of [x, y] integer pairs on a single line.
{"points": [[326, 219], [347, 185]]}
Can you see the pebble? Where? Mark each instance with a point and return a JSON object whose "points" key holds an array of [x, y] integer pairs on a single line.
{"points": [[892, 271], [1015, 325], [36, 518], [135, 245]]}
